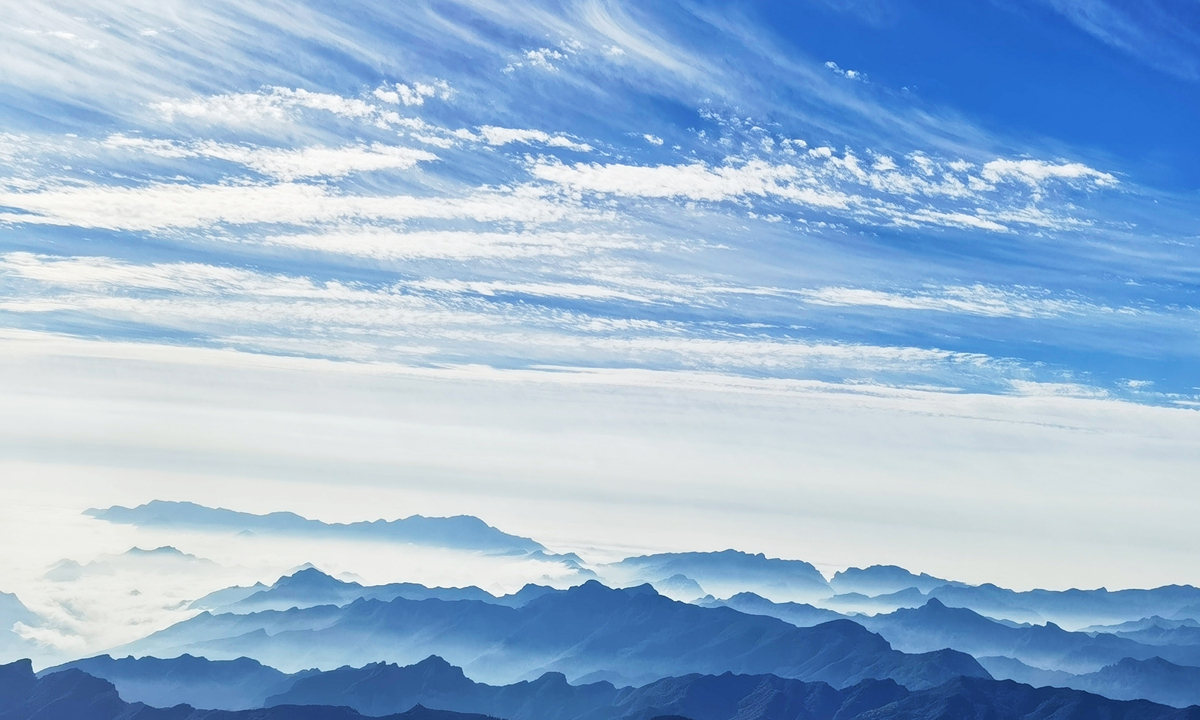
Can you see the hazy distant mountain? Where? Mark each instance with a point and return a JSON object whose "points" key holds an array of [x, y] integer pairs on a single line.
{"points": [[882, 580], [1154, 679], [162, 559], [311, 587], [588, 631], [1143, 624], [860, 603], [13, 611], [725, 573], [1071, 608], [1006, 668], [462, 532], [1178, 634], [221, 685], [679, 587], [1045, 646], [798, 614], [74, 695], [225, 597]]}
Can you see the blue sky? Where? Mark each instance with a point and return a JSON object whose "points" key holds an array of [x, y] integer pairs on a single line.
{"points": [[995, 200]]}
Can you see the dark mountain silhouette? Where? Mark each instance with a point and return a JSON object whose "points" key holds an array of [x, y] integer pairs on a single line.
{"points": [[726, 573], [798, 614], [378, 690], [883, 580], [633, 635], [222, 685], [75, 695], [971, 698], [935, 625], [462, 532], [381, 688]]}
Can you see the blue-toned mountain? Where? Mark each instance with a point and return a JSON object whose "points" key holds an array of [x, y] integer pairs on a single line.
{"points": [[462, 532], [75, 695], [590, 631], [725, 573]]}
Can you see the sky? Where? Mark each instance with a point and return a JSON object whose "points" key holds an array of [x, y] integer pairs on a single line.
{"points": [[849, 281]]}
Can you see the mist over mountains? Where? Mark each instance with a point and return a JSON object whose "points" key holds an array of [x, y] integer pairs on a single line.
{"points": [[599, 360], [246, 646]]}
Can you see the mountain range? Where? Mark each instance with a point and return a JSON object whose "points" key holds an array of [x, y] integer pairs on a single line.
{"points": [[588, 632], [723, 573], [240, 684], [384, 690], [934, 625], [311, 587], [1113, 665], [75, 695], [463, 532]]}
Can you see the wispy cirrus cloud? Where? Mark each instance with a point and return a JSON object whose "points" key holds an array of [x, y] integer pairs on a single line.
{"points": [[280, 163], [168, 206]]}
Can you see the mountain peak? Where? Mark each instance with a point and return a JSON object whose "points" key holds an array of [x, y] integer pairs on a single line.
{"points": [[309, 578]]}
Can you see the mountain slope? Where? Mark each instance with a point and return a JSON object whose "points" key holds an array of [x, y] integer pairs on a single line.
{"points": [[632, 635]]}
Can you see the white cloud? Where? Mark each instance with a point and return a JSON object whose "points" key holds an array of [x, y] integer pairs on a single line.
{"points": [[285, 164], [1049, 389], [274, 104], [383, 244], [164, 206], [497, 136], [696, 181], [542, 58], [848, 74], [1036, 172], [414, 94], [653, 139], [972, 300], [432, 316]]}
